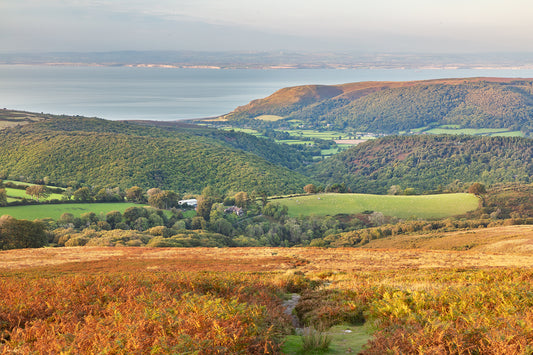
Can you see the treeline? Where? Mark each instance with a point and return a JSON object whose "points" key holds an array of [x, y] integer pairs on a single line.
{"points": [[361, 237], [91, 151], [18, 234], [428, 163], [396, 107], [240, 219]]}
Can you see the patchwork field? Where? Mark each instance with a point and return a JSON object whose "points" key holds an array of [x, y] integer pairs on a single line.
{"points": [[424, 206]]}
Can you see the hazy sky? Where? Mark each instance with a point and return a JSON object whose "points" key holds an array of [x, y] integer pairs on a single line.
{"points": [[342, 25]]}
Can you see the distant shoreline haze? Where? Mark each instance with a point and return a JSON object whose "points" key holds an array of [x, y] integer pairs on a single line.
{"points": [[276, 60], [161, 94]]}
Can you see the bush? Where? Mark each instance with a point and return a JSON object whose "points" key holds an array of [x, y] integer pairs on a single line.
{"points": [[314, 340]]}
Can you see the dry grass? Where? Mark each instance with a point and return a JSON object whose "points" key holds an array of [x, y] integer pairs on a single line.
{"points": [[10, 118], [205, 300], [258, 259], [516, 239]]}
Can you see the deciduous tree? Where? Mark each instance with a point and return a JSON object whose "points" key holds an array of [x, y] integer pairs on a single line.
{"points": [[135, 194], [3, 197], [310, 189], [477, 189], [37, 191], [82, 194]]}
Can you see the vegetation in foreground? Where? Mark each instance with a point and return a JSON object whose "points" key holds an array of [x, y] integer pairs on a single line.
{"points": [[126, 300]]}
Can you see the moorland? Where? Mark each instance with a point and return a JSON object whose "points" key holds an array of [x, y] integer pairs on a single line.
{"points": [[407, 207]]}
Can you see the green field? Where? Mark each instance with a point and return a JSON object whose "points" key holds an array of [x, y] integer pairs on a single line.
{"points": [[20, 194], [455, 129], [269, 118], [55, 211], [424, 206]]}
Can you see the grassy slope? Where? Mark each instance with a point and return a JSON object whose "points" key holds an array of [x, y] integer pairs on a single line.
{"points": [[516, 239], [425, 206], [17, 193], [55, 211]]}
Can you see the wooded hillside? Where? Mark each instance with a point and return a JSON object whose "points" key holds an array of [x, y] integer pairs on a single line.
{"points": [[391, 107], [428, 163], [107, 153]]}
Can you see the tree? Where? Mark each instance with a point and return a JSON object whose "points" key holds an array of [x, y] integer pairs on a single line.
{"points": [[89, 218], [135, 194], [409, 191], [15, 234], [131, 214], [66, 219], [310, 189], [113, 218], [3, 197], [67, 194], [395, 190], [164, 200], [198, 222], [37, 191], [241, 199], [204, 207], [477, 189], [82, 194], [153, 191], [212, 193]]}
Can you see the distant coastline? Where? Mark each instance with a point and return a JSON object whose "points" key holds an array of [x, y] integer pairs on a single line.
{"points": [[278, 67], [275, 60]]}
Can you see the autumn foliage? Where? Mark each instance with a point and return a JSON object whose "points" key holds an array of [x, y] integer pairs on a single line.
{"points": [[140, 313], [230, 301]]}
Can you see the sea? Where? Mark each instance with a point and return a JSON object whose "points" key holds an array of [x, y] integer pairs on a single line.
{"points": [[165, 94]]}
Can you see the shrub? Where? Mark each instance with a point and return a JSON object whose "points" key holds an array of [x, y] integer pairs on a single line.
{"points": [[314, 340]]}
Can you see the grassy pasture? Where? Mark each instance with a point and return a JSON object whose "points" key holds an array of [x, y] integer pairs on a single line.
{"points": [[55, 211], [312, 133], [268, 118], [19, 194], [456, 129], [30, 184], [425, 206]]}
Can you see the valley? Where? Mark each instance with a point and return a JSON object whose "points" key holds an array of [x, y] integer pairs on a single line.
{"points": [[395, 216]]}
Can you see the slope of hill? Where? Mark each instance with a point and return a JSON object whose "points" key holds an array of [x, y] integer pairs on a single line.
{"points": [[107, 153], [390, 107], [425, 162], [513, 239], [12, 118]]}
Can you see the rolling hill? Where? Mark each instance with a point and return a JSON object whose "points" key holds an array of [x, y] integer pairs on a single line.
{"points": [[428, 163], [392, 107], [106, 153]]}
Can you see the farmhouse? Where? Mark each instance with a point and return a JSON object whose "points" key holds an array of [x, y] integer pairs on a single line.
{"points": [[189, 203], [234, 209]]}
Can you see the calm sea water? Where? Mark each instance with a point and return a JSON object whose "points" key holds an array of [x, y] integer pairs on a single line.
{"points": [[171, 94]]}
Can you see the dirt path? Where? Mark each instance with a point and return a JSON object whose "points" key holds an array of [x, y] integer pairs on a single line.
{"points": [[289, 307]]}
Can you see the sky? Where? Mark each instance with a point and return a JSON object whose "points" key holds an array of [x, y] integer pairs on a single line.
{"points": [[395, 26]]}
